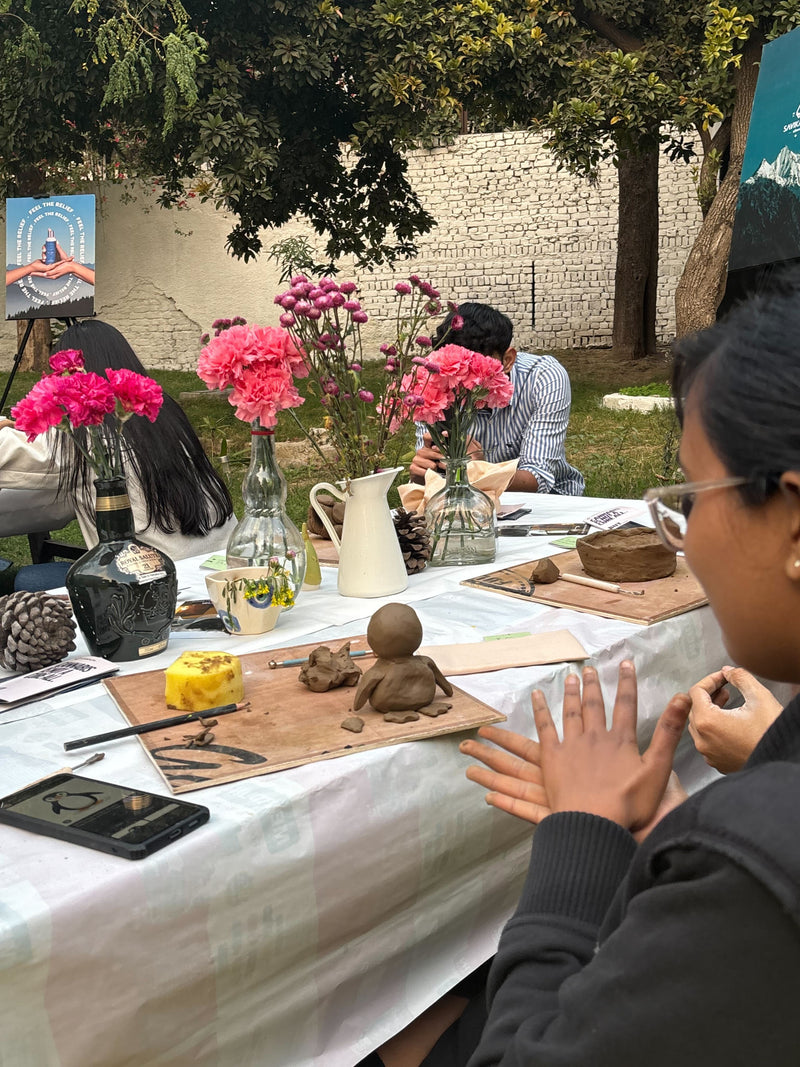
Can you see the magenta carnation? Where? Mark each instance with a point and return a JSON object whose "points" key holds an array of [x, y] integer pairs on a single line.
{"points": [[136, 394], [71, 359]]}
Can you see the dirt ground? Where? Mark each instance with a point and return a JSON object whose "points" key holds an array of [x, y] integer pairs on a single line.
{"points": [[605, 366]]}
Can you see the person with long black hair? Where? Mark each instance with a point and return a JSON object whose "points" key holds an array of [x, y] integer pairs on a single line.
{"points": [[654, 928], [180, 504]]}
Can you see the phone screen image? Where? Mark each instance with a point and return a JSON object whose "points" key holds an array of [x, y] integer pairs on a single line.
{"points": [[112, 818]]}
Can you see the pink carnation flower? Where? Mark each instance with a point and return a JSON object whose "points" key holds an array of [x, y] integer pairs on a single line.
{"points": [[263, 393], [37, 412], [136, 393], [86, 398], [71, 359]]}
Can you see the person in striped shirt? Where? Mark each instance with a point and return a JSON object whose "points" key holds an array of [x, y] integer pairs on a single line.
{"points": [[532, 428]]}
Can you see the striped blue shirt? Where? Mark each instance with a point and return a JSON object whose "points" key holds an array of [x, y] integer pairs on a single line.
{"points": [[534, 425]]}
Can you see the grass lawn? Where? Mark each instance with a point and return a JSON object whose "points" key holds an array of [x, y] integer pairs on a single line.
{"points": [[620, 453]]}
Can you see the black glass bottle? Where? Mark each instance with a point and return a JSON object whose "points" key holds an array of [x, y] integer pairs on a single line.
{"points": [[123, 591]]}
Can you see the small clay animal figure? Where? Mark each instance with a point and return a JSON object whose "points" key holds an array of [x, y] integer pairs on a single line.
{"points": [[326, 670], [399, 682]]}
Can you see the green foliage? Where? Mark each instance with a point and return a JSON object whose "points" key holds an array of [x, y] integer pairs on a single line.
{"points": [[651, 389]]}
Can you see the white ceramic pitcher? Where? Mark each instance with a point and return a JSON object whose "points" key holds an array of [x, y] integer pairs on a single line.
{"points": [[370, 561]]}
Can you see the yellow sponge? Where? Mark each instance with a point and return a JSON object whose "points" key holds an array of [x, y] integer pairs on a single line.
{"points": [[200, 680]]}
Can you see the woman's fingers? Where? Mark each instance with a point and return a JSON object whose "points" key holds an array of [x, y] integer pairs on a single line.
{"points": [[517, 744], [571, 716], [626, 702], [669, 728], [523, 809], [508, 785], [592, 706], [502, 762]]}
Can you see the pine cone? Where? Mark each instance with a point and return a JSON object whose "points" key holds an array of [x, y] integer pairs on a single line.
{"points": [[36, 629], [333, 508], [415, 541]]}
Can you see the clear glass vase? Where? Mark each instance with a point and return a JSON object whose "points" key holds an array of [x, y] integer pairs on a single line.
{"points": [[460, 519], [265, 531]]}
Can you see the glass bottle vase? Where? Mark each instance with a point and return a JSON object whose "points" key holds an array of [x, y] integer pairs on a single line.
{"points": [[460, 520], [265, 531], [123, 591]]}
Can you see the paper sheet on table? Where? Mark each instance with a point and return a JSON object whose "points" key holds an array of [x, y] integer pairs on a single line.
{"points": [[555, 646], [492, 478]]}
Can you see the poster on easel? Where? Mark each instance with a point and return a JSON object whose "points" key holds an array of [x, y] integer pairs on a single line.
{"points": [[50, 250], [766, 228]]}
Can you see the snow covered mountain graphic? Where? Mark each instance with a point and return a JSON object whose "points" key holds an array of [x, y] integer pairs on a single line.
{"points": [[767, 224]]}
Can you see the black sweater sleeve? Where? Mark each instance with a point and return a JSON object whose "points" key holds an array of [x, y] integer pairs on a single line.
{"points": [[702, 967]]}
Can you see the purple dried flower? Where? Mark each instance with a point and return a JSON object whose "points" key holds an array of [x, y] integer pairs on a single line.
{"points": [[287, 319], [355, 367], [414, 279], [365, 395], [423, 341], [390, 366], [429, 291], [348, 287], [278, 299], [403, 288], [456, 323], [388, 350], [433, 307], [205, 338], [298, 279], [314, 313], [360, 316], [352, 305], [302, 307], [330, 387], [328, 285], [288, 301], [337, 300], [314, 292]]}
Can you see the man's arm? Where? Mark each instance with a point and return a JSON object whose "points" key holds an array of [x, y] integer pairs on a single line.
{"points": [[546, 405]]}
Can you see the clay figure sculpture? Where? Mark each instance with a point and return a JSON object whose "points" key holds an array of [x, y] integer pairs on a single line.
{"points": [[400, 684], [326, 670]]}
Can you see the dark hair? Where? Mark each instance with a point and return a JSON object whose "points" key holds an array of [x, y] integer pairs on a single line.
{"points": [[485, 330], [182, 490], [744, 373]]}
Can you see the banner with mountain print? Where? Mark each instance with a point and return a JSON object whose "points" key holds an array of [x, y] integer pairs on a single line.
{"points": [[767, 224]]}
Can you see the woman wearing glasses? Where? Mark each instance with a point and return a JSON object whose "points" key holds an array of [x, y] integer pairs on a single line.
{"points": [[646, 935]]}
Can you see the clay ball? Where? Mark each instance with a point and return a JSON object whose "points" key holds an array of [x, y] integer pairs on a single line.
{"points": [[394, 630]]}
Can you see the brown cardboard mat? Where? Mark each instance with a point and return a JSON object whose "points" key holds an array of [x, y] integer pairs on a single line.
{"points": [[286, 725]]}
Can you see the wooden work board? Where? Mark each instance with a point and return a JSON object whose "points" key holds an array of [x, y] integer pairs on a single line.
{"points": [[286, 725], [663, 597]]}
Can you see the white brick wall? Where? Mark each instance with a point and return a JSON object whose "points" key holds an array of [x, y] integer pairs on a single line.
{"points": [[505, 215]]}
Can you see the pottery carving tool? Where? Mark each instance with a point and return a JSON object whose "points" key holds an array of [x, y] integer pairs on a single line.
{"points": [[546, 572], [274, 664], [159, 724]]}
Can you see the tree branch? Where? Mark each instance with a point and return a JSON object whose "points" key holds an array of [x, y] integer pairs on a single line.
{"points": [[608, 29]]}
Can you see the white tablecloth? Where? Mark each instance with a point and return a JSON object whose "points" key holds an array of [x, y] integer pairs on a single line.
{"points": [[322, 907]]}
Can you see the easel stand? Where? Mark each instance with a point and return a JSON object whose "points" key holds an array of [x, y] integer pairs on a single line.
{"points": [[18, 357]]}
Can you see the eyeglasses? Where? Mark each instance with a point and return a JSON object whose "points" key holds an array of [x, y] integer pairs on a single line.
{"points": [[671, 505]]}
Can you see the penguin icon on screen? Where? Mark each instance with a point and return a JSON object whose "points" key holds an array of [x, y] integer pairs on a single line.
{"points": [[64, 801]]}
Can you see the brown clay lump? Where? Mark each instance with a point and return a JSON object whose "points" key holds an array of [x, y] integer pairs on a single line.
{"points": [[544, 572], [399, 682], [353, 723], [326, 670]]}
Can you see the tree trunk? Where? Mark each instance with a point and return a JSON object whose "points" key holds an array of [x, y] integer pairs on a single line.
{"points": [[702, 284], [636, 278], [37, 351]]}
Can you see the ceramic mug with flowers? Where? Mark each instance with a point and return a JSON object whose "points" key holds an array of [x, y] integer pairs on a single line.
{"points": [[249, 600]]}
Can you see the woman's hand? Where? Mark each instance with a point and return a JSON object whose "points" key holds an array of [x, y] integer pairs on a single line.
{"points": [[723, 738], [599, 770], [513, 777]]}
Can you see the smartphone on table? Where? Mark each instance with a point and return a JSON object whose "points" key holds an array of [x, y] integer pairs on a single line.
{"points": [[111, 818]]}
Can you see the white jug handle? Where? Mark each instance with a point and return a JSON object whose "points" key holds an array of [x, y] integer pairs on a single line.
{"points": [[323, 518]]}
